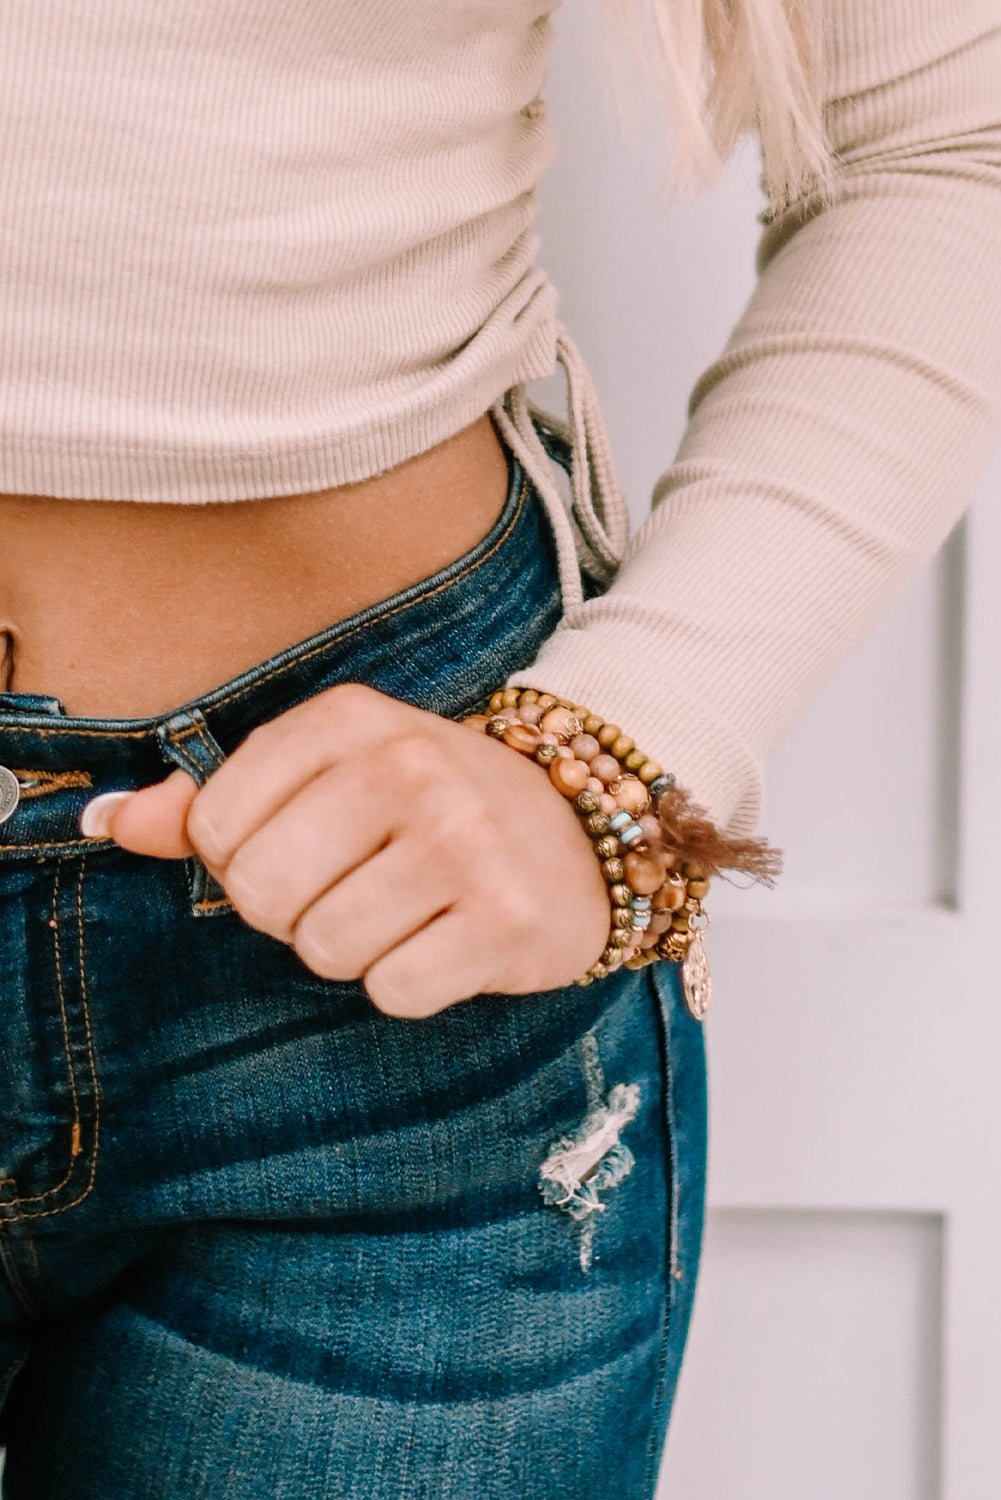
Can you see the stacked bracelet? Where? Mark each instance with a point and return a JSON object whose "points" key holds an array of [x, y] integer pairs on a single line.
{"points": [[655, 895]]}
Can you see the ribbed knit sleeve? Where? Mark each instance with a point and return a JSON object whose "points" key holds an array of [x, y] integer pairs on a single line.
{"points": [[838, 438]]}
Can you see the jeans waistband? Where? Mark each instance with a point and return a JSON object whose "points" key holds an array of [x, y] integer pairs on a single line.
{"points": [[440, 644]]}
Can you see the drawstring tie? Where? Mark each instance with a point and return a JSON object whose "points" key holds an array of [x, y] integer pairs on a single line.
{"points": [[591, 533]]}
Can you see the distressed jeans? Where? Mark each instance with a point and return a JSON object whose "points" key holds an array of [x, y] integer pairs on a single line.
{"points": [[259, 1240]]}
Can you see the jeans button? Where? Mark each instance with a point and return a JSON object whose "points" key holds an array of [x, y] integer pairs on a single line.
{"points": [[10, 793]]}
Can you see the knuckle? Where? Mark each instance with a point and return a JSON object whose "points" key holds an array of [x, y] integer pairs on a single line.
{"points": [[201, 829], [398, 991], [313, 942], [514, 911], [244, 888], [414, 757]]}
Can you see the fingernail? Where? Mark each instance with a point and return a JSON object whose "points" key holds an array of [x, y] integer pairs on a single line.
{"points": [[95, 814]]}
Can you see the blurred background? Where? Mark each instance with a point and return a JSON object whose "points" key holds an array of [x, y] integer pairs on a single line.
{"points": [[847, 1333]]}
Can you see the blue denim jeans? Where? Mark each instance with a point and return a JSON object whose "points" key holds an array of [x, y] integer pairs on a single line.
{"points": [[258, 1239]]}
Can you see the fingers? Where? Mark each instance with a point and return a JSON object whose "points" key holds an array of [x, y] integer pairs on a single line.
{"points": [[339, 820], [369, 912], [283, 755], [333, 824], [445, 962], [150, 821]]}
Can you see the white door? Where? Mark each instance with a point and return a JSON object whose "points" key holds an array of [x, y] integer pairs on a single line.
{"points": [[847, 1334]]}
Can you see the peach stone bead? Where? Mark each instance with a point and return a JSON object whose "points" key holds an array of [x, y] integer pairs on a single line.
{"points": [[563, 752], [523, 737], [477, 721], [670, 896], [631, 794], [650, 825], [561, 722], [595, 785], [660, 921], [644, 873], [607, 804], [649, 938], [585, 746], [529, 713], [568, 776], [606, 766]]}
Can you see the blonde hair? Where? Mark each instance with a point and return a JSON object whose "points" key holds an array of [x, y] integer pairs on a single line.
{"points": [[724, 67]]}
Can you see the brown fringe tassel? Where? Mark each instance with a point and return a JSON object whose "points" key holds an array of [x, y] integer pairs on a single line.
{"points": [[687, 828]]}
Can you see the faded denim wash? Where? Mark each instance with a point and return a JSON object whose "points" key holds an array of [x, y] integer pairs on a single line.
{"points": [[260, 1241]]}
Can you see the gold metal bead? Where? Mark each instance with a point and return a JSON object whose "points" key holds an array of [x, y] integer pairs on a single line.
{"points": [[622, 917], [620, 895], [546, 701], [649, 771], [528, 695], [607, 735], [642, 959], [509, 698], [593, 723], [587, 978], [597, 826], [586, 802], [698, 888], [621, 746], [635, 760], [671, 947], [498, 727], [607, 847], [546, 754], [613, 870], [681, 921], [619, 938], [497, 701]]}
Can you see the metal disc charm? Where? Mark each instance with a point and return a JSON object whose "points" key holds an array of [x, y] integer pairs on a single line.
{"points": [[10, 793], [695, 978]]}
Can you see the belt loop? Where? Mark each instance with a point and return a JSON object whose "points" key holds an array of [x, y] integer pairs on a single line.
{"points": [[187, 741]]}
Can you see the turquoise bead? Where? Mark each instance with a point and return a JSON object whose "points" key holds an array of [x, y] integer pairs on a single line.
{"points": [[620, 819], [640, 903], [631, 834], [641, 921]]}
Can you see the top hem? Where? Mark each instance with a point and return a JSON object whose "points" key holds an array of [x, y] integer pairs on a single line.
{"points": [[88, 469]]}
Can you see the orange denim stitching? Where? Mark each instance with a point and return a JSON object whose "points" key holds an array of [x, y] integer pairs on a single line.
{"points": [[37, 783]]}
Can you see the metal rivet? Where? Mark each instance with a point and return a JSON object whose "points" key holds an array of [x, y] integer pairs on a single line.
{"points": [[10, 793]]}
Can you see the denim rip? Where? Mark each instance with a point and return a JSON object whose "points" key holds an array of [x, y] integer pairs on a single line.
{"points": [[582, 1166]]}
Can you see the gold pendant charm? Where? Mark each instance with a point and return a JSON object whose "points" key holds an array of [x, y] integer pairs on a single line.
{"points": [[695, 978]]}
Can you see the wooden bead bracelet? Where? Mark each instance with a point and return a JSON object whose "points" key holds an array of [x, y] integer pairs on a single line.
{"points": [[655, 894]]}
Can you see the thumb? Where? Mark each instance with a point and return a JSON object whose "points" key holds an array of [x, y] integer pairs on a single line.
{"points": [[150, 821]]}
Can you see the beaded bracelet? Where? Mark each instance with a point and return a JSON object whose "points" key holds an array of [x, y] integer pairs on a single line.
{"points": [[615, 789]]}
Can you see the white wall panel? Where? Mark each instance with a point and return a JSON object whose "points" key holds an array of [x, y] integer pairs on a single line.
{"points": [[824, 1329]]}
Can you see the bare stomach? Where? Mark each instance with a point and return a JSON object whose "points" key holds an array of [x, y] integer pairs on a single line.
{"points": [[126, 609]]}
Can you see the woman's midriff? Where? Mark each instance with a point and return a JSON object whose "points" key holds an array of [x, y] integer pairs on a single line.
{"points": [[124, 609]]}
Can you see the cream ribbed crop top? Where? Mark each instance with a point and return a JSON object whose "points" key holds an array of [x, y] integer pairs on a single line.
{"points": [[251, 249]]}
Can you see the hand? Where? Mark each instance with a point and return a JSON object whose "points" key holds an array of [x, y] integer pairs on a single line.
{"points": [[388, 844]]}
